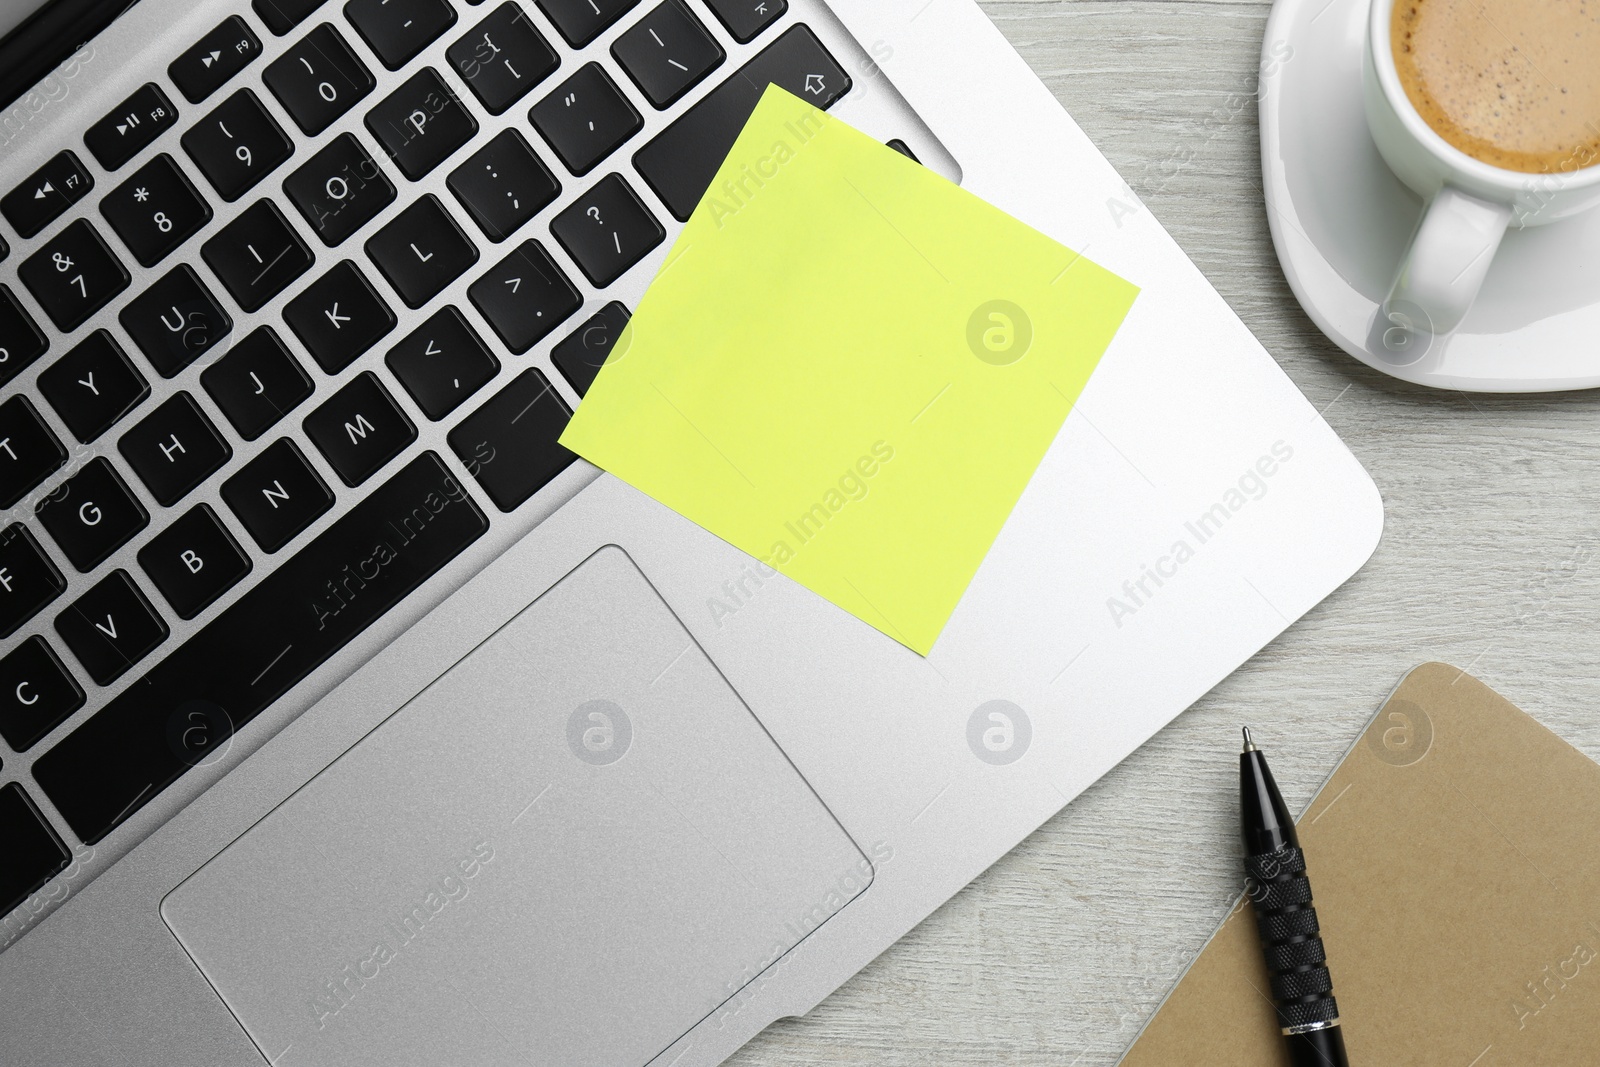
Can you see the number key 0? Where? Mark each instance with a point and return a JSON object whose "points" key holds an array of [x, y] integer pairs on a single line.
{"points": [[237, 145], [318, 79], [155, 211]]}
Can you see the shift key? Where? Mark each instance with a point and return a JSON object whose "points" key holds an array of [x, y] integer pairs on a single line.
{"points": [[680, 163], [188, 706]]}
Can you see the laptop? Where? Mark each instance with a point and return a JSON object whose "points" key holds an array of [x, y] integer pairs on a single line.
{"points": [[349, 719]]}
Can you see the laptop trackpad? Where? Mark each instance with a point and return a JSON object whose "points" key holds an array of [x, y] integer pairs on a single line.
{"points": [[569, 849]]}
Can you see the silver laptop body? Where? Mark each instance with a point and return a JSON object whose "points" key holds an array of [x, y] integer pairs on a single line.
{"points": [[598, 788]]}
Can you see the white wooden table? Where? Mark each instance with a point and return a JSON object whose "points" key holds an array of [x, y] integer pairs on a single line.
{"points": [[1490, 560]]}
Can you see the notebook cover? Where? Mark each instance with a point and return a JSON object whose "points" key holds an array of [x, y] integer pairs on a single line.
{"points": [[1455, 860]]}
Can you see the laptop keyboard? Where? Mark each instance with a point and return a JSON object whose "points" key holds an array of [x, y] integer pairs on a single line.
{"points": [[346, 443]]}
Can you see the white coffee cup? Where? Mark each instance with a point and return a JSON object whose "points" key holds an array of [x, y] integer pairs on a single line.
{"points": [[1470, 203]]}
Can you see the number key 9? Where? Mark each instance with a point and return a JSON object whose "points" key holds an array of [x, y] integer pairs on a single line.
{"points": [[237, 145]]}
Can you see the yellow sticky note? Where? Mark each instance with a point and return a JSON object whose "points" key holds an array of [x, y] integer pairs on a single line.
{"points": [[849, 368]]}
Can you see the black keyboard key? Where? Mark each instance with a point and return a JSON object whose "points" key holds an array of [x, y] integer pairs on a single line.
{"points": [[173, 449], [581, 354], [667, 53], [237, 145], [398, 29], [48, 192], [194, 561], [442, 363], [421, 123], [155, 210], [21, 343], [28, 580], [904, 149], [744, 19], [29, 453], [93, 386], [338, 317], [421, 251], [73, 275], [502, 58], [175, 321], [256, 383], [339, 190], [208, 64], [92, 514], [359, 429], [318, 79], [37, 693], [682, 159], [275, 634], [525, 296], [257, 255], [33, 853], [607, 230], [585, 118], [276, 495], [281, 16], [111, 627], [503, 185], [581, 21], [511, 443], [131, 126]]}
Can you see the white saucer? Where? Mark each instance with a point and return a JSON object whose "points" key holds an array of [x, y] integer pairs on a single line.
{"points": [[1340, 221]]}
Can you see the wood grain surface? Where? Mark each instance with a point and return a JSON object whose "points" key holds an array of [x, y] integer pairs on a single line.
{"points": [[1490, 560]]}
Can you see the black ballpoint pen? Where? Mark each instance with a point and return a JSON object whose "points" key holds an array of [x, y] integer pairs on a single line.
{"points": [[1290, 937]]}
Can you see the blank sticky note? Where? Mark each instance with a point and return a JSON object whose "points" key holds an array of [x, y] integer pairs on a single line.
{"points": [[849, 368]]}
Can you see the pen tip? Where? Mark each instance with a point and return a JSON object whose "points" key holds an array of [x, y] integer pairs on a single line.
{"points": [[1249, 745]]}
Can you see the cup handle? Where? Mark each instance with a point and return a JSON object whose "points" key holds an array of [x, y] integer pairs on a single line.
{"points": [[1449, 257]]}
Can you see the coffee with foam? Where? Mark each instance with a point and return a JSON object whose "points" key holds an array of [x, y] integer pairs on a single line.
{"points": [[1513, 83]]}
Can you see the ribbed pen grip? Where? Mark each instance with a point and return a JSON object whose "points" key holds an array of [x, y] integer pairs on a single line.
{"points": [[1281, 896]]}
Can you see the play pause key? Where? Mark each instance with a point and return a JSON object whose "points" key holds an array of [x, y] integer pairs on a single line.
{"points": [[132, 125]]}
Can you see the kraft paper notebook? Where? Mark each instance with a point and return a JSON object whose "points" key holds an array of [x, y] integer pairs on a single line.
{"points": [[1455, 858]]}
